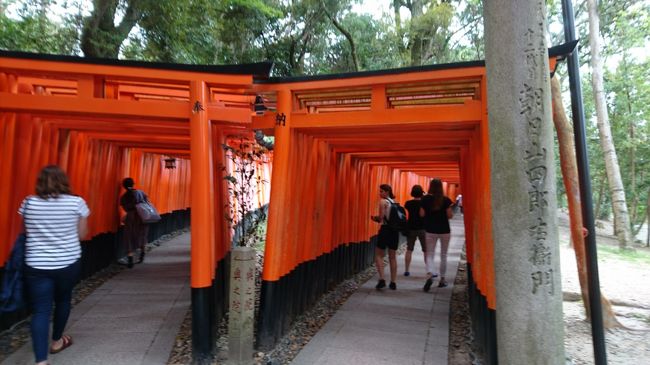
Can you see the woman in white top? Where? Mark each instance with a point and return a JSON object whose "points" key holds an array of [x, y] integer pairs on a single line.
{"points": [[386, 238], [54, 221]]}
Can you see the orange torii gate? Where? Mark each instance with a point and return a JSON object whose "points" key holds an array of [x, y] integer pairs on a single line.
{"points": [[103, 120], [337, 137], [336, 140]]}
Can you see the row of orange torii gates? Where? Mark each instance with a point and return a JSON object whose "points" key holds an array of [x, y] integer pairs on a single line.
{"points": [[337, 137]]}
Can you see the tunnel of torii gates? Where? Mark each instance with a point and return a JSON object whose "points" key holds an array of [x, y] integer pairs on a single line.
{"points": [[337, 138]]}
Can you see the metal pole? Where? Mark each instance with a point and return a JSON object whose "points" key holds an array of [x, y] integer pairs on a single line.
{"points": [[597, 331]]}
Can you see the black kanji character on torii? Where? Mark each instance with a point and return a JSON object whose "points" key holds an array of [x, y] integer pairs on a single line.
{"points": [[281, 119], [198, 107]]}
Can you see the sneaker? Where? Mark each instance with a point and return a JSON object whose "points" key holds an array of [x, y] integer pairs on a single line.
{"points": [[406, 273], [428, 284], [434, 275], [392, 285], [380, 284], [442, 284]]}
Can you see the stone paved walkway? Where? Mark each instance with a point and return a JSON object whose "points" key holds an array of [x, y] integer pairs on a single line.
{"points": [[131, 319], [134, 317], [405, 327]]}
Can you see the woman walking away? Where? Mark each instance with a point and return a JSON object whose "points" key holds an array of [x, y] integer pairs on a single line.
{"points": [[135, 231], [415, 226], [387, 238], [54, 221], [436, 211]]}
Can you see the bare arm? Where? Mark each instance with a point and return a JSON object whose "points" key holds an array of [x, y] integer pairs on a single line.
{"points": [[381, 209], [83, 228], [450, 213], [422, 212]]}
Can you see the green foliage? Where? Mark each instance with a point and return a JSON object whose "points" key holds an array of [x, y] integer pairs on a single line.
{"points": [[467, 41], [35, 32]]}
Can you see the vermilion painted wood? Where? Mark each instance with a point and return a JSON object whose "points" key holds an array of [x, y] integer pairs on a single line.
{"points": [[339, 141]]}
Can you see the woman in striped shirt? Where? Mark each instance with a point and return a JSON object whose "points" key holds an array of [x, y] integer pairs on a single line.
{"points": [[55, 221]]}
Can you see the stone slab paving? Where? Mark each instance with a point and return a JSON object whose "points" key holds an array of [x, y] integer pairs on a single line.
{"points": [[405, 326], [131, 319]]}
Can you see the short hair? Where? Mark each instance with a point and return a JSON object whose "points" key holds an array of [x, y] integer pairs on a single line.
{"points": [[52, 182], [417, 191], [128, 183]]}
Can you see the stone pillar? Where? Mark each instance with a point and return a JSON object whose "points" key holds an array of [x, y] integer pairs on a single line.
{"points": [[242, 306], [526, 253]]}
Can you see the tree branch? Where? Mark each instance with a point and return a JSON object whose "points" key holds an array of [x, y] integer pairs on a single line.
{"points": [[132, 15], [348, 36]]}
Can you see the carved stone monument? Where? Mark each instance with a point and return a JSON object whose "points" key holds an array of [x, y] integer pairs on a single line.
{"points": [[526, 255], [242, 306]]}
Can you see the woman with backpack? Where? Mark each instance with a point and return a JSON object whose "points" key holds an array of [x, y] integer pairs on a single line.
{"points": [[386, 238], [436, 211]]}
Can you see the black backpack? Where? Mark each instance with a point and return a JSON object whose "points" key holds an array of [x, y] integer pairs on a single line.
{"points": [[397, 217]]}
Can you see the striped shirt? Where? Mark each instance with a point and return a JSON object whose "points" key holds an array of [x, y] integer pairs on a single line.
{"points": [[52, 227]]}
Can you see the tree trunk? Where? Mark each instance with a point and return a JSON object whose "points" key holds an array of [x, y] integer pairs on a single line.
{"points": [[601, 193], [619, 205], [647, 209], [636, 229], [397, 4], [416, 38], [99, 36], [569, 168], [346, 34]]}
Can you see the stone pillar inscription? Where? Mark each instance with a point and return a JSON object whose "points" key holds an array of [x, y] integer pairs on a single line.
{"points": [[242, 306], [526, 255]]}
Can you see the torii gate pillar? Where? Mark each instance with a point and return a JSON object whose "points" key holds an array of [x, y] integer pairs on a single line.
{"points": [[526, 254]]}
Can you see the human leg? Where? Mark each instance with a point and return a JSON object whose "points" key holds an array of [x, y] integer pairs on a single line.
{"points": [[430, 241], [444, 246], [410, 244], [65, 280], [422, 237], [379, 264], [131, 236], [143, 242], [40, 289], [392, 260]]}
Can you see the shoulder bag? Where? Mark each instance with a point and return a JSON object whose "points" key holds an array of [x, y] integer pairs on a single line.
{"points": [[147, 212]]}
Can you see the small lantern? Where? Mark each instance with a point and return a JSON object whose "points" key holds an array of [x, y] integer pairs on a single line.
{"points": [[170, 163]]}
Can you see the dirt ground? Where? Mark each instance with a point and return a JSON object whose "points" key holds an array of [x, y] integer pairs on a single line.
{"points": [[624, 281], [626, 284]]}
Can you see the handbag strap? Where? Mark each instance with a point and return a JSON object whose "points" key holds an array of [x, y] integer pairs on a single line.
{"points": [[140, 197]]}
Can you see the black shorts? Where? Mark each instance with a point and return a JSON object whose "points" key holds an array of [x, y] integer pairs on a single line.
{"points": [[418, 234], [387, 237]]}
